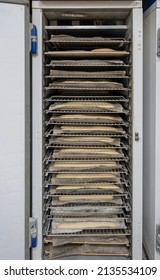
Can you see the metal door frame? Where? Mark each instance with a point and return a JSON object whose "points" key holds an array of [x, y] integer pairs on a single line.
{"points": [[27, 114], [151, 157], [136, 7], [28, 128]]}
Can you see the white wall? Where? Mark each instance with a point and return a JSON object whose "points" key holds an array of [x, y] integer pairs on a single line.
{"points": [[12, 126]]}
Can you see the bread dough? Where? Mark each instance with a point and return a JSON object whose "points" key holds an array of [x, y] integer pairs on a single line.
{"points": [[106, 187], [90, 150], [84, 53], [84, 164], [86, 197], [85, 104], [65, 37], [92, 82], [89, 128], [103, 50], [102, 139], [87, 225], [85, 175], [87, 82], [90, 116], [88, 62], [81, 74], [80, 83]]}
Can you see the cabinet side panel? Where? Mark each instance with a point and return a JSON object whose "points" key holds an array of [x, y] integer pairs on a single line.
{"points": [[149, 132], [137, 37], [12, 126], [37, 133], [157, 155]]}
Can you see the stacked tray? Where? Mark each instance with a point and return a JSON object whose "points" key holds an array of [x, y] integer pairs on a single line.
{"points": [[87, 147]]}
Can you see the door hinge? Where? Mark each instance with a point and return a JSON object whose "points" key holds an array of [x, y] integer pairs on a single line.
{"points": [[137, 138], [33, 232], [34, 39], [158, 239]]}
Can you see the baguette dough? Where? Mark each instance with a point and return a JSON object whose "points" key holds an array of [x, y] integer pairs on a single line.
{"points": [[71, 74], [73, 104], [88, 62], [81, 164], [103, 50], [65, 37], [106, 187], [106, 50], [84, 53], [92, 82], [91, 150], [72, 83], [90, 116], [82, 225], [84, 139], [86, 197], [85, 175], [87, 82], [89, 128], [115, 240]]}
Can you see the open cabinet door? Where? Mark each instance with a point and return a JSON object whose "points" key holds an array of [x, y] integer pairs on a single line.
{"points": [[151, 231], [15, 129]]}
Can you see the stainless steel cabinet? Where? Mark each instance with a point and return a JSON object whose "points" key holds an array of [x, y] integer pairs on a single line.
{"points": [[103, 19]]}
